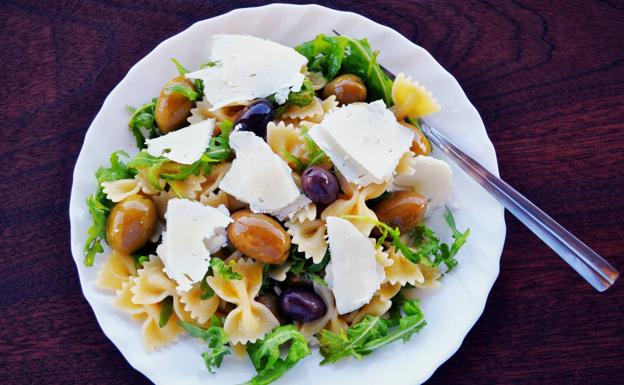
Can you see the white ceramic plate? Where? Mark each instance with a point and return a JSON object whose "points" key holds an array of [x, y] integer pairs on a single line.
{"points": [[450, 310]]}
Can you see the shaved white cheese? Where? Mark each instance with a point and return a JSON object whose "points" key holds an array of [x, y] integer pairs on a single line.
{"points": [[353, 273], [248, 67], [432, 178], [364, 141], [185, 145], [193, 231], [260, 177]]}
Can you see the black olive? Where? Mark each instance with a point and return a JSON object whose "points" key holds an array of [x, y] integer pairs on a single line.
{"points": [[301, 304], [320, 185], [255, 117]]}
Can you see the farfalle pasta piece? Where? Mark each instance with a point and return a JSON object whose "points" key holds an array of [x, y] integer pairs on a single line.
{"points": [[202, 112], [306, 213], [142, 296], [282, 137], [378, 305], [312, 112], [250, 320], [310, 238], [406, 164], [404, 271], [199, 309], [222, 198], [160, 201], [330, 103], [116, 270], [411, 99], [278, 272], [120, 189], [188, 188], [353, 202], [143, 181], [331, 320], [211, 182]]}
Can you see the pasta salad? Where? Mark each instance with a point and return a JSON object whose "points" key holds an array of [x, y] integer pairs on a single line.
{"points": [[276, 202]]}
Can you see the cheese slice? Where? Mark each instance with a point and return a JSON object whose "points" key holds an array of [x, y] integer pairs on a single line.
{"points": [[260, 177], [364, 141], [185, 145], [353, 273], [248, 67], [193, 231], [432, 178]]}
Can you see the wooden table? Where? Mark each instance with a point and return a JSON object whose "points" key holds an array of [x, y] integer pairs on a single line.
{"points": [[546, 76]]}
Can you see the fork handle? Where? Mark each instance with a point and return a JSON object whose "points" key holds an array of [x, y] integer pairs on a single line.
{"points": [[591, 266]]}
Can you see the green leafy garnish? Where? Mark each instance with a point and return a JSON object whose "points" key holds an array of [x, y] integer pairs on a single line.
{"points": [[266, 354], [218, 150], [139, 260], [426, 247], [99, 206], [143, 118], [219, 267], [206, 290], [181, 69], [216, 338], [303, 97], [371, 333], [166, 309], [185, 91], [305, 267], [334, 55], [312, 152]]}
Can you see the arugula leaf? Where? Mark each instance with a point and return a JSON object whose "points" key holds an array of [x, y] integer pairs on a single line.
{"points": [[266, 354], [303, 97], [99, 206], [216, 338], [166, 309], [218, 150], [185, 91], [143, 118], [305, 267], [313, 153], [179, 67], [333, 55], [139, 260], [371, 333], [206, 290], [219, 267], [426, 247]]}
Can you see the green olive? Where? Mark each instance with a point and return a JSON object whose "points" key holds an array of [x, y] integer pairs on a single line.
{"points": [[173, 108], [130, 224], [404, 209], [259, 236], [348, 88]]}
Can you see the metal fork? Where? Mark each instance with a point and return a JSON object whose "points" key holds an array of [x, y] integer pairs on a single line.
{"points": [[591, 266]]}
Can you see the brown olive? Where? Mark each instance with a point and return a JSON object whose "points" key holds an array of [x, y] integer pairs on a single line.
{"points": [[130, 224], [173, 108], [270, 301], [259, 236], [348, 88], [404, 209]]}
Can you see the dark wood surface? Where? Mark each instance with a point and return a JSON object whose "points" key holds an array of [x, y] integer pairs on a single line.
{"points": [[546, 76]]}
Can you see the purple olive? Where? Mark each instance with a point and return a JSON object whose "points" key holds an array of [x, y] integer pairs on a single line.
{"points": [[320, 185], [255, 117], [301, 304]]}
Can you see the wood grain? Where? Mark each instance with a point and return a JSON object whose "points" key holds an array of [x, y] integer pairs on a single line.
{"points": [[547, 78]]}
